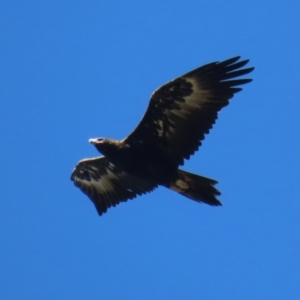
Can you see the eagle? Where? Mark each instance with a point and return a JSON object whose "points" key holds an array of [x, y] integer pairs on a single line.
{"points": [[179, 115]]}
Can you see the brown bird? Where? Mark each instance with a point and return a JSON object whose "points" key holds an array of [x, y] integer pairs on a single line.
{"points": [[179, 115]]}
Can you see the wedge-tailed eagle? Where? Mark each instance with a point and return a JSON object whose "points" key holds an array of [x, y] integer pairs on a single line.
{"points": [[179, 115]]}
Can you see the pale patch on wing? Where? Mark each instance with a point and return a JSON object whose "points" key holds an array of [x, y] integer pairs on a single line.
{"points": [[102, 179], [93, 178], [197, 97], [183, 108], [191, 102], [106, 185]]}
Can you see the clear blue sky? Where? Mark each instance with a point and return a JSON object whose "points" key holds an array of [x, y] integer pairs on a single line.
{"points": [[74, 70]]}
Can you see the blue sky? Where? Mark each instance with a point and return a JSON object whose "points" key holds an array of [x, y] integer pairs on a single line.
{"points": [[73, 70]]}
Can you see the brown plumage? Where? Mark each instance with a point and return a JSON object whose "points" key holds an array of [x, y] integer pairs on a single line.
{"points": [[179, 115]]}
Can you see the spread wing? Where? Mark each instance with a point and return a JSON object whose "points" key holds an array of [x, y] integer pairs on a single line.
{"points": [[105, 185], [182, 111]]}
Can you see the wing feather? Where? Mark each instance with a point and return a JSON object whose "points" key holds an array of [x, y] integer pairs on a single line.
{"points": [[182, 111], [106, 185]]}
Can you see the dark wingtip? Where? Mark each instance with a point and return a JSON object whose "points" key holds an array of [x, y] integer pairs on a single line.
{"points": [[231, 61]]}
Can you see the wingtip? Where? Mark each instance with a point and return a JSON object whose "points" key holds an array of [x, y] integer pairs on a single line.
{"points": [[230, 61]]}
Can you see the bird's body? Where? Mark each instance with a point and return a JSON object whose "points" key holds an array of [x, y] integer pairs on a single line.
{"points": [[180, 113], [141, 160]]}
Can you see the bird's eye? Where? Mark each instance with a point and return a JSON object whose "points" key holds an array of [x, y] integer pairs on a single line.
{"points": [[100, 140]]}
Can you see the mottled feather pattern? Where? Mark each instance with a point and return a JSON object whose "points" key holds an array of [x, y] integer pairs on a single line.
{"points": [[106, 185]]}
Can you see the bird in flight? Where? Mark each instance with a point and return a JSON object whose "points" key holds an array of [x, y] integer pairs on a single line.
{"points": [[179, 115]]}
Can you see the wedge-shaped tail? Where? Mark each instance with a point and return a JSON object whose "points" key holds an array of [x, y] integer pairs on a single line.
{"points": [[197, 188]]}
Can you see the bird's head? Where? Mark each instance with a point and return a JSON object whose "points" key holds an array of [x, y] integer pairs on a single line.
{"points": [[102, 145]]}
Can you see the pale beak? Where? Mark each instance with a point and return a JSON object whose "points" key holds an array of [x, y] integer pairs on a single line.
{"points": [[93, 141]]}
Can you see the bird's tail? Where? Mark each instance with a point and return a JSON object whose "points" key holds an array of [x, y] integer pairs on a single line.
{"points": [[195, 187]]}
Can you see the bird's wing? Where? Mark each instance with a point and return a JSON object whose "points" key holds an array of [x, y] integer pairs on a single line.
{"points": [[182, 111], [106, 185]]}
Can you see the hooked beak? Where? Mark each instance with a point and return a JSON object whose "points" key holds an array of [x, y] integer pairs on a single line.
{"points": [[93, 141]]}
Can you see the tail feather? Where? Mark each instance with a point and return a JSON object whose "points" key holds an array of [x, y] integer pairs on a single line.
{"points": [[195, 187]]}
